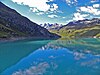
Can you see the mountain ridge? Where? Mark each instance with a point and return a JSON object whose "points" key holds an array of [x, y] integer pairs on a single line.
{"points": [[80, 28], [11, 19]]}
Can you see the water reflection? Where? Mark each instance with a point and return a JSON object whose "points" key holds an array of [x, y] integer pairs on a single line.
{"points": [[61, 57], [12, 52], [34, 70], [85, 45]]}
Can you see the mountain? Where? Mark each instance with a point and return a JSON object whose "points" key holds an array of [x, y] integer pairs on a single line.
{"points": [[51, 26], [80, 28], [84, 23], [13, 24]]}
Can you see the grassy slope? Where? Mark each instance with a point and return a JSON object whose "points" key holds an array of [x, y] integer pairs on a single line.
{"points": [[6, 32], [66, 32]]}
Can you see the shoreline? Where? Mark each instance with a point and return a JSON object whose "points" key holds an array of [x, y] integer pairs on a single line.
{"points": [[12, 39]]}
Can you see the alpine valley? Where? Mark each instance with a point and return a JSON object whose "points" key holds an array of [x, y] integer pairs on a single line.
{"points": [[77, 29], [37, 37], [13, 25]]}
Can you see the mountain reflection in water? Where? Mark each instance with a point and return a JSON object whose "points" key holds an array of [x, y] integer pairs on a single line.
{"points": [[60, 57]]}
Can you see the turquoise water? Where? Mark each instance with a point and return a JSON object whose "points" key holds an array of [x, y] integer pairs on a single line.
{"points": [[50, 57]]}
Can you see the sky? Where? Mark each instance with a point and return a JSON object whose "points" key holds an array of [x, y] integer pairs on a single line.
{"points": [[56, 11]]}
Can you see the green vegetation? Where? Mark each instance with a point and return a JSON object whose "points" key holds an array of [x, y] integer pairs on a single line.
{"points": [[68, 32], [6, 32]]}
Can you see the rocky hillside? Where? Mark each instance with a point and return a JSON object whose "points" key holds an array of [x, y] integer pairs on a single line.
{"points": [[81, 28], [12, 24], [49, 26]]}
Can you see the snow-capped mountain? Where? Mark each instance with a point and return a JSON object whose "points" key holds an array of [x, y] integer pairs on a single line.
{"points": [[51, 26]]}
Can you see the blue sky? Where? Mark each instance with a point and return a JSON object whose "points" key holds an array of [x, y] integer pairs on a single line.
{"points": [[56, 11]]}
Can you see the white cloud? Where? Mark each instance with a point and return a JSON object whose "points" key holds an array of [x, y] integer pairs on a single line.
{"points": [[54, 7], [40, 13], [87, 11], [96, 5], [60, 12], [52, 16], [40, 5], [70, 2], [63, 17], [90, 10], [79, 16], [98, 13], [34, 9]]}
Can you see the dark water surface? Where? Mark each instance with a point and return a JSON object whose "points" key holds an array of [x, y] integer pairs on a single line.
{"points": [[50, 57]]}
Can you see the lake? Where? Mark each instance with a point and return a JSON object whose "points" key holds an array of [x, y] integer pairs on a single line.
{"points": [[50, 57]]}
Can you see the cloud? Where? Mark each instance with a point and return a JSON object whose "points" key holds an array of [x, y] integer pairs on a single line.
{"points": [[52, 16], [79, 16], [34, 9], [54, 7], [67, 21], [40, 13], [38, 5], [86, 12], [96, 5], [68, 1], [71, 2], [63, 17], [90, 9]]}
